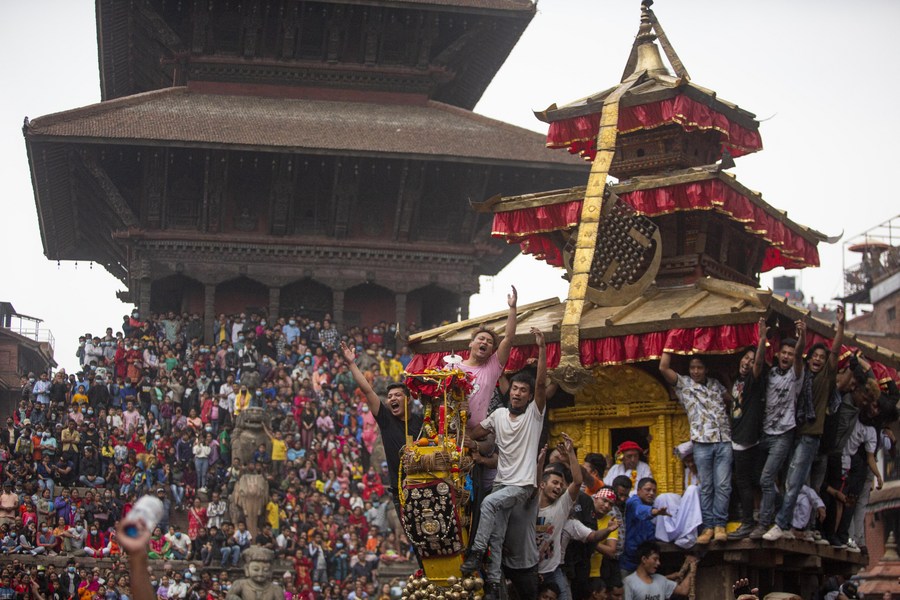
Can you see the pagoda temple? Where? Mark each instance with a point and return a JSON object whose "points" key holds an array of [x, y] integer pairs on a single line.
{"points": [[663, 249], [290, 155]]}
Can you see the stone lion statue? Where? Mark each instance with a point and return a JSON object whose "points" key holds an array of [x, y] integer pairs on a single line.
{"points": [[249, 433]]}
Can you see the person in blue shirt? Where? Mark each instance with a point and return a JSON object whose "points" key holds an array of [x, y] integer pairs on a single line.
{"points": [[640, 526]]}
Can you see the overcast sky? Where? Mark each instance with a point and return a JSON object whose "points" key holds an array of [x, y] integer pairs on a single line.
{"points": [[822, 77]]}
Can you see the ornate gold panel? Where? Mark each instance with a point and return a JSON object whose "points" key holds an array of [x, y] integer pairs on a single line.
{"points": [[620, 397]]}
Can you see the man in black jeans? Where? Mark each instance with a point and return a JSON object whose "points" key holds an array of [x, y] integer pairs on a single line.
{"points": [[746, 425]]}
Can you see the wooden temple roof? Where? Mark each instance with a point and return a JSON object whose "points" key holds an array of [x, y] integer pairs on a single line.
{"points": [[707, 303], [177, 116], [642, 182], [139, 43], [653, 88], [510, 5]]}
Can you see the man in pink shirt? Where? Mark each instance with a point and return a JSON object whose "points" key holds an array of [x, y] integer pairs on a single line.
{"points": [[485, 365]]}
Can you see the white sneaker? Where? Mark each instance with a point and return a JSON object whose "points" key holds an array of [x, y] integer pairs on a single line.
{"points": [[773, 534], [852, 547], [787, 534], [805, 536]]}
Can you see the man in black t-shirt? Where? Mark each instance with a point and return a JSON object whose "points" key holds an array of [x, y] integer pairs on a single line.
{"points": [[746, 426], [394, 418]]}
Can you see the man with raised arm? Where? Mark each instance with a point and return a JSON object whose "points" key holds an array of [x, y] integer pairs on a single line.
{"points": [[556, 502], [816, 391], [783, 382], [517, 432], [394, 419], [487, 357], [746, 426], [485, 363], [704, 400]]}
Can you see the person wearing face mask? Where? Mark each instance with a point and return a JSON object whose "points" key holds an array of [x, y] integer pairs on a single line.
{"points": [[291, 331], [201, 461], [47, 542], [69, 580], [180, 544], [74, 539]]}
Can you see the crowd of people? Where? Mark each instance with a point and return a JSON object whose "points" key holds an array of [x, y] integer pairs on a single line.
{"points": [[153, 408]]}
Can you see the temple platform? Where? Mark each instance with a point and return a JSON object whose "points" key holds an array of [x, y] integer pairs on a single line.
{"points": [[781, 566]]}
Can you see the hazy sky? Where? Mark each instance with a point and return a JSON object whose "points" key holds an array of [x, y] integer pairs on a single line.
{"points": [[821, 75]]}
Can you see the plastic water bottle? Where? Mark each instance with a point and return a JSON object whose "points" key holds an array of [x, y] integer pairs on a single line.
{"points": [[149, 510]]}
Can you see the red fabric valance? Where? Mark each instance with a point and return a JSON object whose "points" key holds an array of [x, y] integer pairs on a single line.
{"points": [[543, 248], [786, 248], [539, 219], [579, 134], [625, 349]]}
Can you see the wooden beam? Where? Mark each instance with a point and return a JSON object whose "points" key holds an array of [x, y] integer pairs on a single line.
{"points": [[667, 47], [690, 303], [498, 203], [632, 306], [739, 305], [108, 190], [759, 298], [460, 325]]}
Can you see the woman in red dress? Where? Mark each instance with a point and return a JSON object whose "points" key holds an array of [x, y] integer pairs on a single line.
{"points": [[196, 519]]}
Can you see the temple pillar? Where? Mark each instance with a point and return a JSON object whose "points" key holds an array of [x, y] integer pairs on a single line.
{"points": [[274, 303], [337, 307], [463, 306], [143, 303], [209, 313], [400, 306]]}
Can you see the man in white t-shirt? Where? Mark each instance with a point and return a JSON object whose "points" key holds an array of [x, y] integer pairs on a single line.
{"points": [[517, 432], [556, 502], [646, 584]]}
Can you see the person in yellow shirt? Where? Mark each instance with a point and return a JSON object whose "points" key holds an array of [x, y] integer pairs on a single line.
{"points": [[70, 440], [79, 398], [242, 400], [604, 503], [274, 513], [279, 452], [390, 367]]}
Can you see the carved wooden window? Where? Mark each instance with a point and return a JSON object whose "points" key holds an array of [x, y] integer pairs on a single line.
{"points": [[227, 32], [312, 33]]}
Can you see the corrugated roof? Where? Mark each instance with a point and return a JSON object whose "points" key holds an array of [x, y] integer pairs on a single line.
{"points": [[176, 115]]}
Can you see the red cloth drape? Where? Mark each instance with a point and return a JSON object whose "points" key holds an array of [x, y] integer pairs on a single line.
{"points": [[543, 248], [540, 219], [579, 134], [623, 349], [787, 248]]}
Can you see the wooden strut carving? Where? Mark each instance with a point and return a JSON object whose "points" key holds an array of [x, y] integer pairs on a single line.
{"points": [[570, 375]]}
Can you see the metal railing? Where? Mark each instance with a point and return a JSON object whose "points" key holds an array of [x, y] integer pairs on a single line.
{"points": [[32, 330]]}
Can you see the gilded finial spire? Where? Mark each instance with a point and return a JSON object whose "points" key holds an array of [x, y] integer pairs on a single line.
{"points": [[645, 31], [648, 58]]}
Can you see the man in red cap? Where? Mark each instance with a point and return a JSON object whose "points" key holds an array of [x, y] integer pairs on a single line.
{"points": [[631, 465]]}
